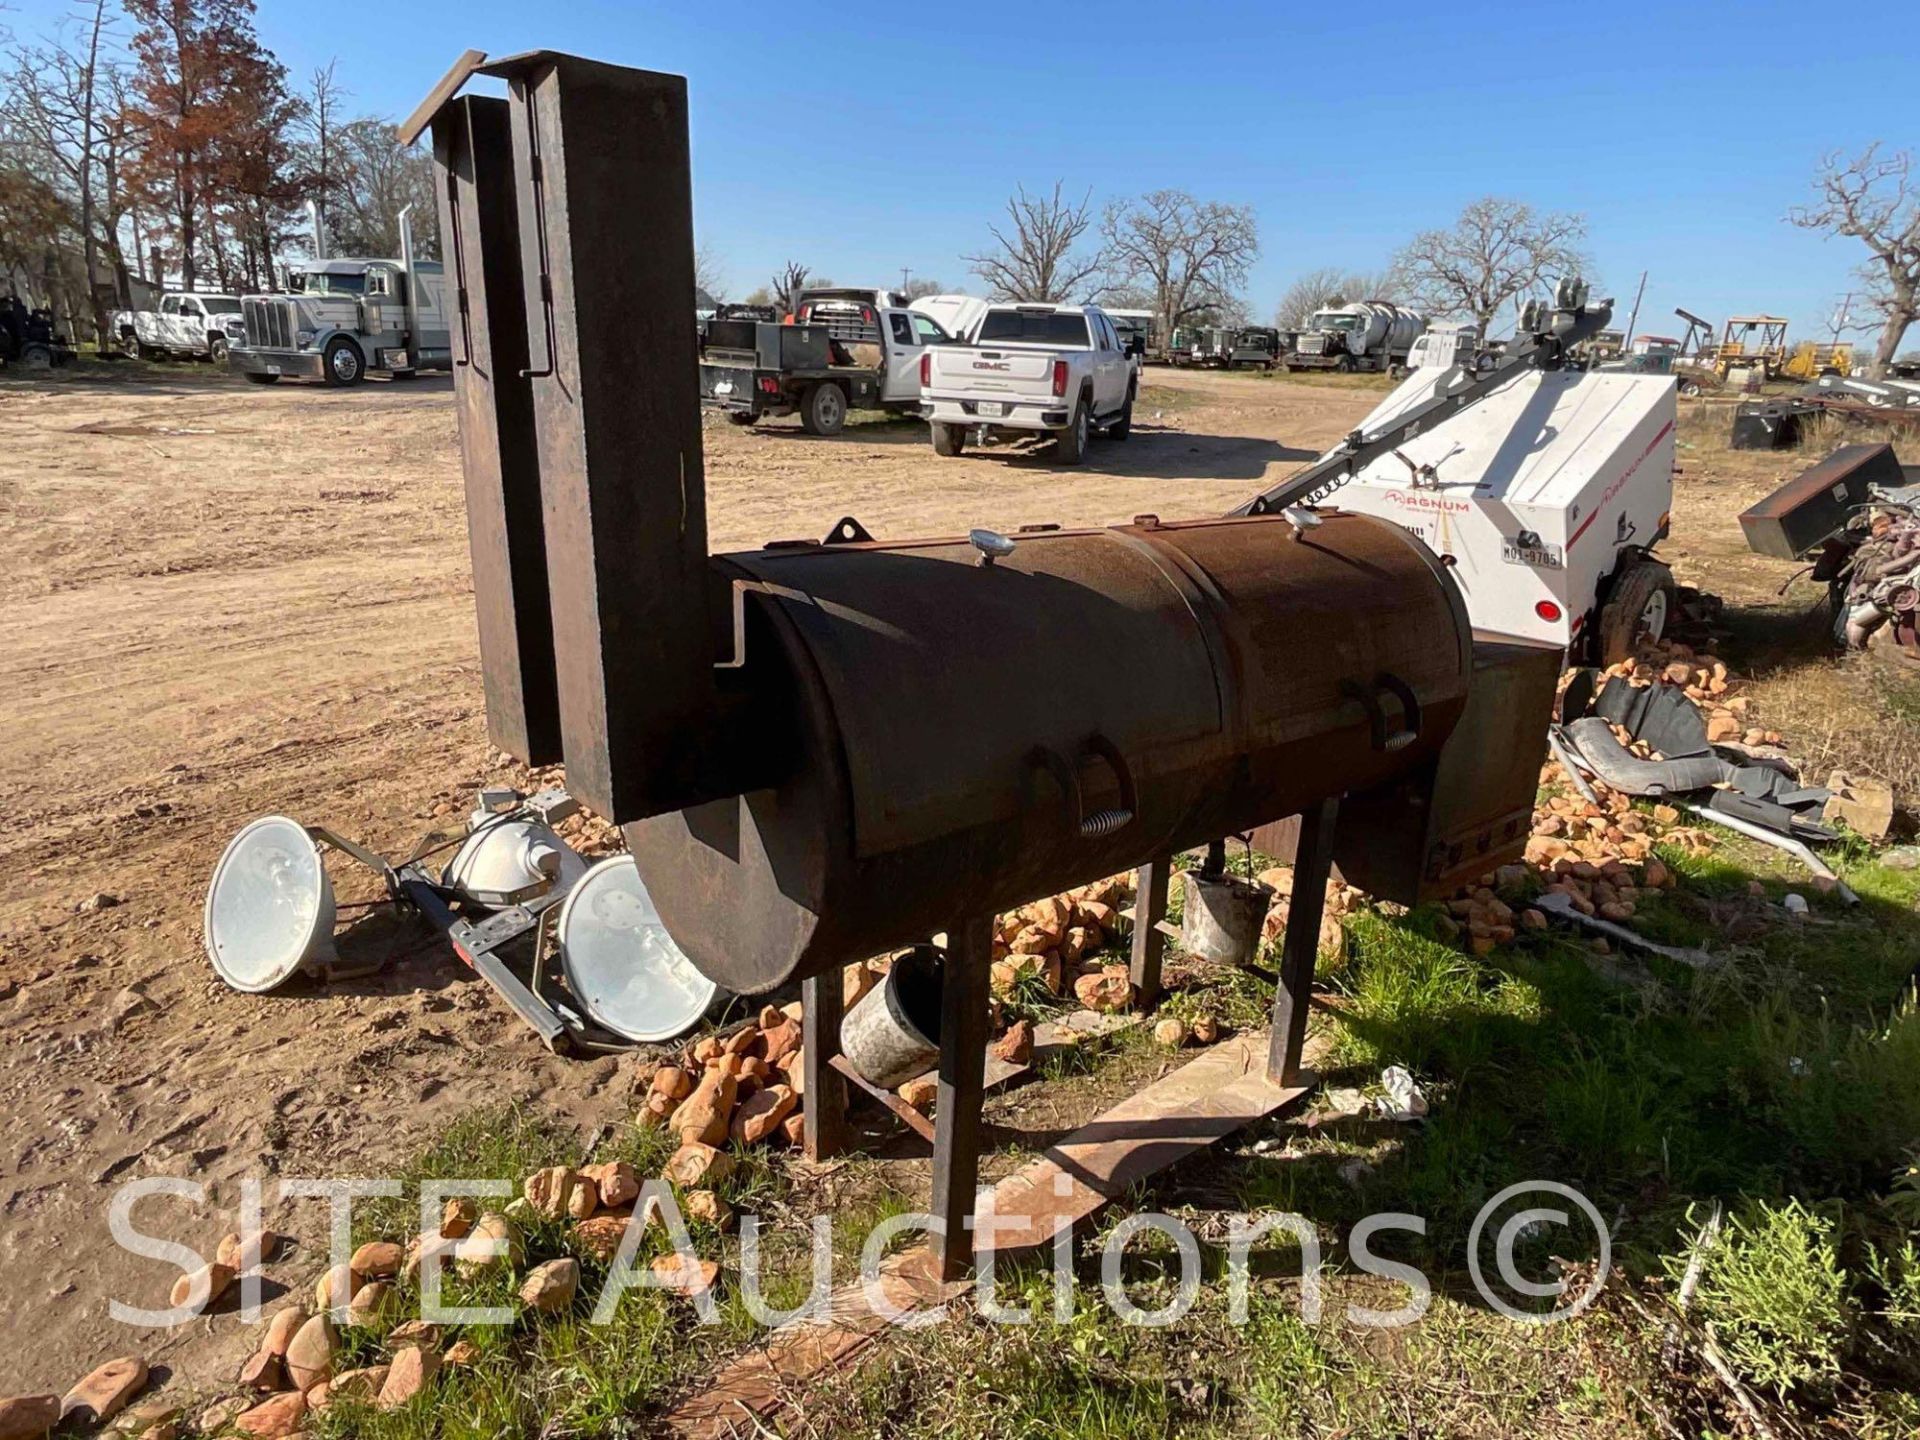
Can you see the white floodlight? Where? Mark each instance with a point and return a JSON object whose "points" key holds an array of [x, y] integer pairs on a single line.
{"points": [[269, 910], [619, 961], [506, 861]]}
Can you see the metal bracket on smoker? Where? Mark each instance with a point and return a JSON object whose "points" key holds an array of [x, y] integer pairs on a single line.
{"points": [[848, 531]]}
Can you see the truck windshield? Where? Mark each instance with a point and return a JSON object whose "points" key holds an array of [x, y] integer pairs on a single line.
{"points": [[1336, 322], [335, 282], [1035, 327]]}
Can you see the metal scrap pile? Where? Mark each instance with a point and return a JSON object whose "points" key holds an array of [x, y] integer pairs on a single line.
{"points": [[1882, 579]]}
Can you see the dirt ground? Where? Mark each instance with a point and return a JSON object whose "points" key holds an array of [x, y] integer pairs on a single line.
{"points": [[222, 601]]}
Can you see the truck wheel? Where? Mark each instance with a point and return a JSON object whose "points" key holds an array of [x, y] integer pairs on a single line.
{"points": [[1344, 364], [36, 356], [342, 363], [1638, 610], [260, 379], [948, 439], [217, 349], [1123, 427], [1071, 446], [823, 410], [742, 418]]}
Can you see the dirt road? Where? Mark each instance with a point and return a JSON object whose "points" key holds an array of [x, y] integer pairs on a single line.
{"points": [[223, 600]]}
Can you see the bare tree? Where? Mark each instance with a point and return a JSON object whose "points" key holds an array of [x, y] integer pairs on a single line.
{"points": [[1496, 250], [709, 272], [1192, 255], [1037, 260], [322, 155], [1323, 289], [60, 102], [789, 282], [381, 177], [1872, 198]]}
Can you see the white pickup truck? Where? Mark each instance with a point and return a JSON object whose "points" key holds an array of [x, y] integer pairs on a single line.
{"points": [[184, 324], [1061, 369]]}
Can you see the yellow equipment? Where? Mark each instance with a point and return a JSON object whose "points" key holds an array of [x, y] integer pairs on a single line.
{"points": [[1752, 342], [1813, 358]]}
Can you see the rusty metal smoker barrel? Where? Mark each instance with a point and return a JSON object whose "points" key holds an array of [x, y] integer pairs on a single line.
{"points": [[952, 737]]}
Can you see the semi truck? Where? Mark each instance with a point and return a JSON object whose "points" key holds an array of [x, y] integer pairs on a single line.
{"points": [[342, 318], [1369, 335]]}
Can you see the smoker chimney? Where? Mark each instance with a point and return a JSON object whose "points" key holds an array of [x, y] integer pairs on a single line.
{"points": [[606, 232]]}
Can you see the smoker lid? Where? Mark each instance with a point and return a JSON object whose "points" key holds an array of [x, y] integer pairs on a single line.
{"points": [[929, 663]]}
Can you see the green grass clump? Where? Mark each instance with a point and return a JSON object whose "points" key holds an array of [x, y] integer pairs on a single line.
{"points": [[1773, 1294]]}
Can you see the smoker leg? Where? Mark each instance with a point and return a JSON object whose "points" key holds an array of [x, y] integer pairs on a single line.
{"points": [[1312, 861], [824, 1111], [1149, 909], [956, 1115]]}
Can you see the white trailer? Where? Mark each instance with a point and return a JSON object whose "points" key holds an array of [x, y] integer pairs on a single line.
{"points": [[1545, 499]]}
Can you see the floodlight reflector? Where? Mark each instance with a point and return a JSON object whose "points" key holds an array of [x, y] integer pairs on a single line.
{"points": [[269, 910], [619, 961], [507, 861]]}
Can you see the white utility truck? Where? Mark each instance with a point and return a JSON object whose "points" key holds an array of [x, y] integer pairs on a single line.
{"points": [[1368, 335], [1031, 369], [184, 323], [344, 317], [1542, 487]]}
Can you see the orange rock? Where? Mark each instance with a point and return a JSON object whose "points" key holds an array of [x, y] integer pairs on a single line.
{"points": [[1110, 989], [761, 1115], [695, 1166], [412, 1371], [1016, 1046], [920, 1092], [685, 1275], [274, 1419]]}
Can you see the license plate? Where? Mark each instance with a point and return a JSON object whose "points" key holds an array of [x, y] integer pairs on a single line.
{"points": [[992, 407], [273, 369], [1540, 557]]}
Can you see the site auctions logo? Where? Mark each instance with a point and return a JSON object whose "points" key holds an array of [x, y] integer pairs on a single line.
{"points": [[1516, 1296]]}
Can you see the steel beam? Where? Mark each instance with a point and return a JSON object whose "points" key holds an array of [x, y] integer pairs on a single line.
{"points": [[1149, 941], [824, 1111], [474, 182], [964, 1002], [1300, 947], [606, 237]]}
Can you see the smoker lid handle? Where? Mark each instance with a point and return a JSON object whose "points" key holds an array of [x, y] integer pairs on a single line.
{"points": [[1101, 823], [1384, 738]]}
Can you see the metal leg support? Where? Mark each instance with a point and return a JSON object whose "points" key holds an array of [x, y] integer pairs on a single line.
{"points": [[1149, 910], [962, 1093], [1312, 862], [824, 1110]]}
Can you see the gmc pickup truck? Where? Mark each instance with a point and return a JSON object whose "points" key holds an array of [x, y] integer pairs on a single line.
{"points": [[184, 324], [1020, 369]]}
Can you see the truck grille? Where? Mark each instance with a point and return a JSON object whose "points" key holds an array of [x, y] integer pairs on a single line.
{"points": [[1312, 344], [269, 324]]}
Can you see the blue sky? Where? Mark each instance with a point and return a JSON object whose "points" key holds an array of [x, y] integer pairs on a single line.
{"points": [[862, 138]]}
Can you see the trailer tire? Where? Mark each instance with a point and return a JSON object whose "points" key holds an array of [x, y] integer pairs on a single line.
{"points": [[1070, 447], [948, 439], [35, 355], [823, 409], [1639, 607], [342, 363], [257, 378]]}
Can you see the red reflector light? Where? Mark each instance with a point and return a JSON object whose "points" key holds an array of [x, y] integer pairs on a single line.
{"points": [[926, 370], [866, 316], [1059, 377], [769, 385], [1547, 611]]}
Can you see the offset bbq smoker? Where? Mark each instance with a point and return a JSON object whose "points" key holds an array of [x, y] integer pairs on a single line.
{"points": [[809, 746]]}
